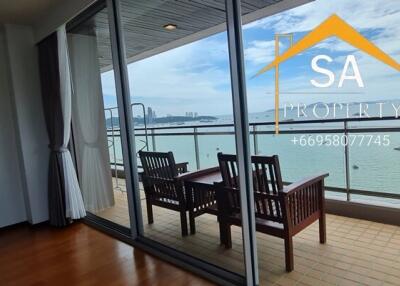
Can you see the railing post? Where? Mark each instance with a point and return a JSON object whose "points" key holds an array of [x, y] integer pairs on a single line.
{"points": [[115, 153], [347, 162], [255, 140], [144, 122], [196, 147], [153, 140], [117, 187]]}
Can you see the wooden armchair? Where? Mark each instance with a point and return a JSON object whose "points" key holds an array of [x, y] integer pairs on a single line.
{"points": [[162, 186], [281, 211]]}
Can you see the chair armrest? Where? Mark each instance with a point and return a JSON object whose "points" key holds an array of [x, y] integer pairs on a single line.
{"points": [[304, 201], [194, 174], [182, 167], [303, 183]]}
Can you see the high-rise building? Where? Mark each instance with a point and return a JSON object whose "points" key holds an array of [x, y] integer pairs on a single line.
{"points": [[191, 114], [149, 115]]}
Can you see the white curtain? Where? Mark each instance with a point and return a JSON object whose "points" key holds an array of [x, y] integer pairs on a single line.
{"points": [[89, 124], [75, 208]]}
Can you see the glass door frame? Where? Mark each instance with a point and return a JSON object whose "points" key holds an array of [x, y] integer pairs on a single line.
{"points": [[120, 231], [136, 235], [242, 134]]}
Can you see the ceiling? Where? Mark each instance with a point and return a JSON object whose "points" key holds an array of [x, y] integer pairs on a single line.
{"points": [[143, 23], [24, 12]]}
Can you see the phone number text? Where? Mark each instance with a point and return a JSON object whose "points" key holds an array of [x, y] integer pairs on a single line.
{"points": [[341, 140]]}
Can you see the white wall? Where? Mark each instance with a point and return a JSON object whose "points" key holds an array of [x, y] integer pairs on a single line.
{"points": [[25, 82], [12, 206], [24, 155]]}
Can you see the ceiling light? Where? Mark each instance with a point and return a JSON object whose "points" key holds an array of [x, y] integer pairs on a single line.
{"points": [[170, 27]]}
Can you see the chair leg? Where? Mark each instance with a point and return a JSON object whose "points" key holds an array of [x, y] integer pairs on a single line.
{"points": [[192, 223], [322, 228], [149, 212], [289, 260], [225, 234], [184, 226], [222, 238], [228, 237]]}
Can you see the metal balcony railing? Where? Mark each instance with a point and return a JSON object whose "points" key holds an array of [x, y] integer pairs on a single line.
{"points": [[304, 127]]}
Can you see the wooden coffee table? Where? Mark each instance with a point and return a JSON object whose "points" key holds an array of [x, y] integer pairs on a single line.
{"points": [[200, 193]]}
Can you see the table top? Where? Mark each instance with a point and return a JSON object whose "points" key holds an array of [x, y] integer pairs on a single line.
{"points": [[205, 178]]}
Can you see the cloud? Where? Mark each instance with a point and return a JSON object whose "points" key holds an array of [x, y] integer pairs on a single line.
{"points": [[260, 52], [335, 45], [193, 77], [379, 16], [196, 77], [360, 14]]}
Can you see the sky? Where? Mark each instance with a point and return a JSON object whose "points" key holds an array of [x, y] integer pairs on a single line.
{"points": [[196, 77]]}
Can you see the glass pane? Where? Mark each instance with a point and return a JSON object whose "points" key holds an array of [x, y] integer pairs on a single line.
{"points": [[314, 64], [211, 145], [95, 121], [320, 157], [178, 64], [181, 145], [382, 148]]}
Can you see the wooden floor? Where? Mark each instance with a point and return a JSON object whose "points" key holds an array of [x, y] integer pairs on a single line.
{"points": [[80, 255]]}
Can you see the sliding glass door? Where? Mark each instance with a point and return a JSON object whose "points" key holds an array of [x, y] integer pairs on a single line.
{"points": [[95, 119], [179, 77], [323, 102], [160, 129]]}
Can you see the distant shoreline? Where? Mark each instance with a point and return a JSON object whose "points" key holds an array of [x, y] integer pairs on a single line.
{"points": [[163, 120]]}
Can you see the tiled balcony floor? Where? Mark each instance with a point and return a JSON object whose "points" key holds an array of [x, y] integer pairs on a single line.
{"points": [[357, 252]]}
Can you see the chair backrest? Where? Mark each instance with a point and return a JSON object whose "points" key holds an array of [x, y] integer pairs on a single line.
{"points": [[267, 176], [267, 182], [159, 172], [229, 201]]}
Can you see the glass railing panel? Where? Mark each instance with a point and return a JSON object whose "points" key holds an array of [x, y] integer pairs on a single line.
{"points": [[304, 149], [378, 172], [221, 139], [378, 200], [303, 155], [304, 125], [385, 122], [143, 143], [114, 147], [181, 145]]}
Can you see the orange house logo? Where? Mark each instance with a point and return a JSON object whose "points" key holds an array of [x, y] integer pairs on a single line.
{"points": [[332, 26]]}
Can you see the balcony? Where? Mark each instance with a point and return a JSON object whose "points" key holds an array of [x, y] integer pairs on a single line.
{"points": [[357, 251]]}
